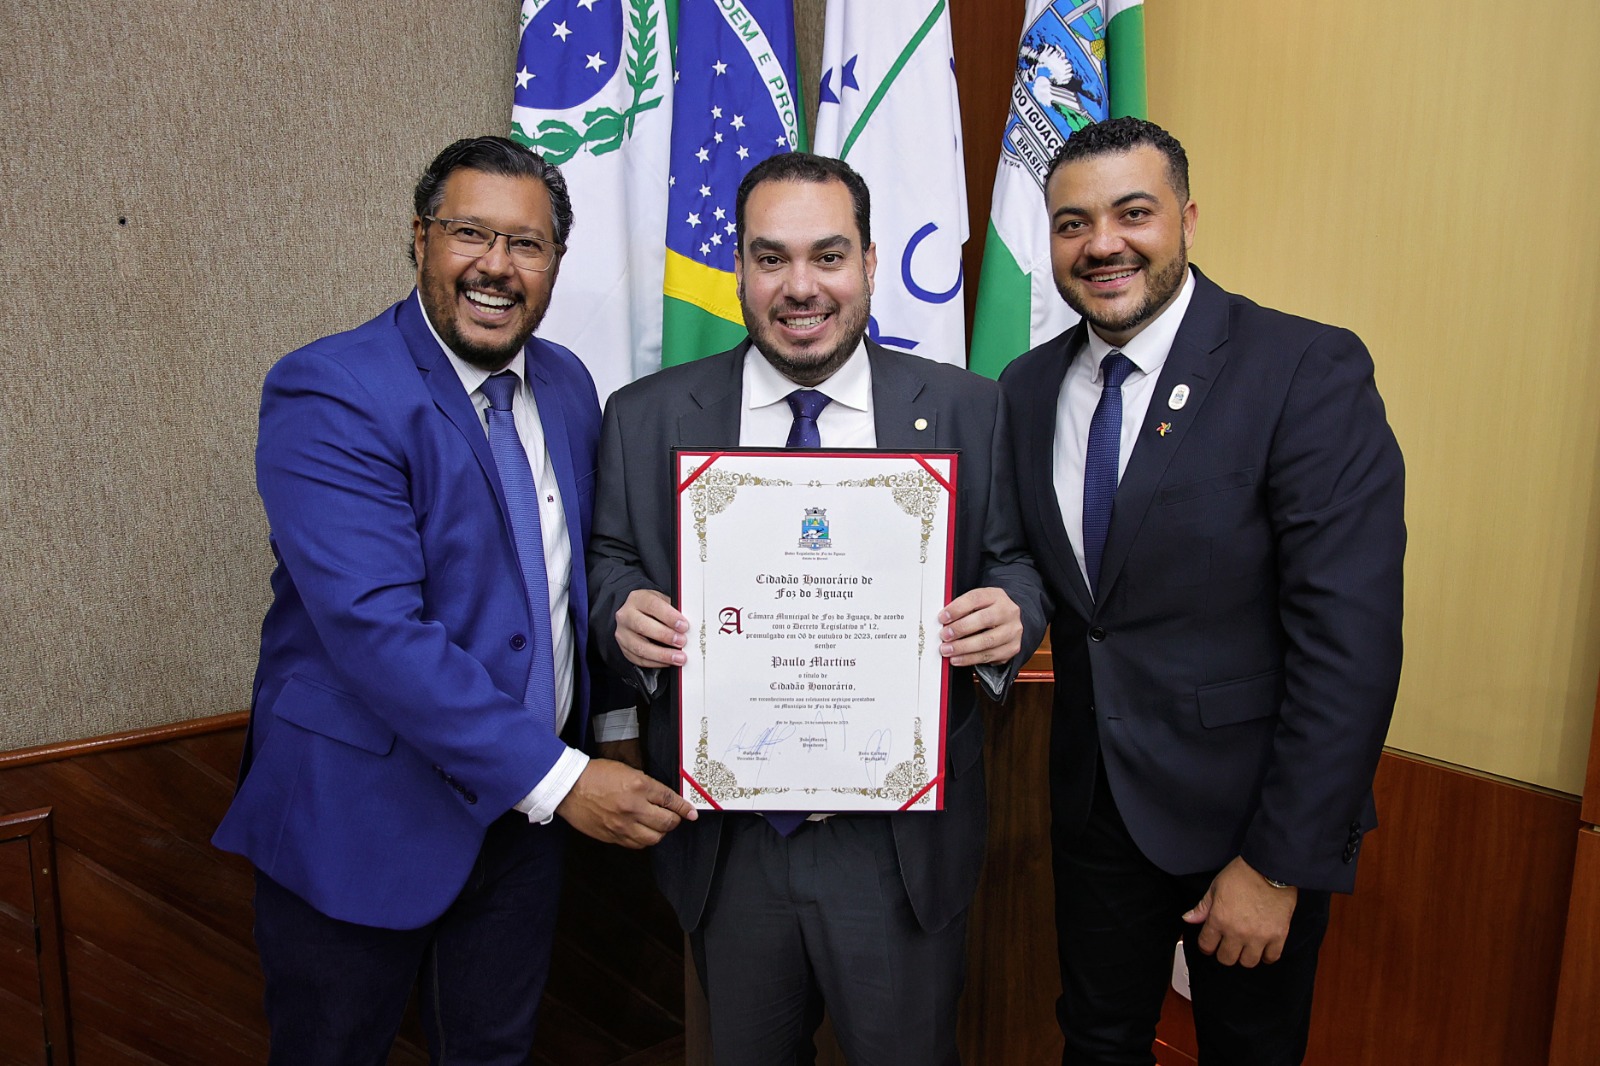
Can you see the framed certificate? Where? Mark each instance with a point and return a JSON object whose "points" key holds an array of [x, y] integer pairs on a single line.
{"points": [[813, 581]]}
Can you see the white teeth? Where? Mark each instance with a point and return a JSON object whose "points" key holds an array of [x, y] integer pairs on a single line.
{"points": [[1117, 277], [804, 323], [495, 303]]}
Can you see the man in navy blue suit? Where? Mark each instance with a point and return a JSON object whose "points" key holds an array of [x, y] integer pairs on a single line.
{"points": [[424, 691], [1215, 500]]}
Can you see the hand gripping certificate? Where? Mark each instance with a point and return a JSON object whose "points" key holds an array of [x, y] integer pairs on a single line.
{"points": [[813, 581]]}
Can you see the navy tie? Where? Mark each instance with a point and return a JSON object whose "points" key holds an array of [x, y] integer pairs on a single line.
{"points": [[1100, 463], [522, 500], [806, 404]]}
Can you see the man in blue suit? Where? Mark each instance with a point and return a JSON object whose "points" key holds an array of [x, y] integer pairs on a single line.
{"points": [[423, 692], [1215, 500]]}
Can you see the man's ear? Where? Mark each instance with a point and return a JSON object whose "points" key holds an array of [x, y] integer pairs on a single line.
{"points": [[870, 265]]}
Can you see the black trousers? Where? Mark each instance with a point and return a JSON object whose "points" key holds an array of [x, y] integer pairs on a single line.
{"points": [[336, 991], [1118, 919]]}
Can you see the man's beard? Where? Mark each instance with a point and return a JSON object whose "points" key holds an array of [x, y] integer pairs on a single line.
{"points": [[809, 369], [1161, 288], [490, 357]]}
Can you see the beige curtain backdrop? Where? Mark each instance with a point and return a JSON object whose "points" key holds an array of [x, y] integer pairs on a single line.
{"points": [[193, 188]]}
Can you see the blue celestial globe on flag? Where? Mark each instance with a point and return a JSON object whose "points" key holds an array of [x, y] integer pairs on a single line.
{"points": [[569, 51]]}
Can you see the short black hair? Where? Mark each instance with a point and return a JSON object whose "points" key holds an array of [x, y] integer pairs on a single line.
{"points": [[492, 155], [1124, 135], [815, 169]]}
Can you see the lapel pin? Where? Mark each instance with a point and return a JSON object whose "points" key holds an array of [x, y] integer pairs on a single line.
{"points": [[1179, 397], [921, 423], [1164, 428]]}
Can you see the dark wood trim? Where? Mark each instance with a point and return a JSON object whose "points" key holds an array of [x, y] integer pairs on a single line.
{"points": [[133, 738], [36, 828], [1575, 1038], [1591, 787]]}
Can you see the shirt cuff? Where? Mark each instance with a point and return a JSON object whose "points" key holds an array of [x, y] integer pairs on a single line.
{"points": [[993, 677], [540, 804], [621, 724]]}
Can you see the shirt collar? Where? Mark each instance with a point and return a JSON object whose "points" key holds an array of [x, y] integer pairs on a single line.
{"points": [[472, 377], [1149, 349], [850, 385]]}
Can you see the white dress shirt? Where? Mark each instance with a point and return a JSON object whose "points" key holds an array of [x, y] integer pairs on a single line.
{"points": [[540, 804], [1080, 394], [765, 417]]}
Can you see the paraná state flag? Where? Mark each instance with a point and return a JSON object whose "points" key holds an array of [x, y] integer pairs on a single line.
{"points": [[594, 96]]}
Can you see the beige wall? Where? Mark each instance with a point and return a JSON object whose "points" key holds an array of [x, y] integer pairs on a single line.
{"points": [[191, 189], [1426, 172]]}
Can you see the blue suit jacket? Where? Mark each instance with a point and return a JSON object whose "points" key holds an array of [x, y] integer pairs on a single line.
{"points": [[387, 726], [1238, 672]]}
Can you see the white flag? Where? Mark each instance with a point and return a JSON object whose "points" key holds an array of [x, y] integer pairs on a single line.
{"points": [[887, 106], [594, 96]]}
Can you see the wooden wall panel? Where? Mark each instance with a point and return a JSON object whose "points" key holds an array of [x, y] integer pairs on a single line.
{"points": [[157, 923], [1450, 947], [1575, 1039]]}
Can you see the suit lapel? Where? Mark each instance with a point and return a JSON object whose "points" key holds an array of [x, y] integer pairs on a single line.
{"points": [[553, 421], [712, 420], [448, 395], [1197, 357], [1036, 417], [899, 401]]}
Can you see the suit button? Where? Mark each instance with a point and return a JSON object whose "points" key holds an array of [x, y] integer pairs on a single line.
{"points": [[519, 642], [470, 797], [1097, 634]]}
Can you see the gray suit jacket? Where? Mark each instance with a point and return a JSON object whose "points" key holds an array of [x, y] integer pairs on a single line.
{"points": [[698, 405]]}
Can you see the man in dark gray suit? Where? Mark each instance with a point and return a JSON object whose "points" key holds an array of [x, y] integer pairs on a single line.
{"points": [[865, 913]]}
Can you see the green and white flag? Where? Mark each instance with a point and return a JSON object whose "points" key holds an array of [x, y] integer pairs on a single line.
{"points": [[888, 108], [1077, 63], [594, 96]]}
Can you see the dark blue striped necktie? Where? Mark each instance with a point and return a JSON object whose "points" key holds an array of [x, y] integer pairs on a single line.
{"points": [[1100, 463]]}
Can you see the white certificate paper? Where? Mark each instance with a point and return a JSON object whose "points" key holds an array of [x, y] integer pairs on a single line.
{"points": [[813, 581]]}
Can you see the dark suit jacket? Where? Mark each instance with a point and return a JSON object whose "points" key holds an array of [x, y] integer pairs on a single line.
{"points": [[1239, 670], [699, 405], [387, 726]]}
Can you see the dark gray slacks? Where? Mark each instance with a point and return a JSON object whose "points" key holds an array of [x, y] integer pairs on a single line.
{"points": [[817, 920]]}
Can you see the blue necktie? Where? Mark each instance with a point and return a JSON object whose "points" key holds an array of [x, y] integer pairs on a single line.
{"points": [[1100, 463], [522, 500], [806, 404]]}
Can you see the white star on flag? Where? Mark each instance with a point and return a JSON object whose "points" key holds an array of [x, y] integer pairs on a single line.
{"points": [[719, 214], [720, 67], [705, 249], [705, 190], [523, 77], [718, 137], [716, 238], [744, 153], [693, 220], [595, 62], [587, 5], [702, 155], [716, 112], [562, 32], [738, 122]]}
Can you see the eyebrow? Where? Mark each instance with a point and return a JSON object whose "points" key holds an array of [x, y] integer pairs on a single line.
{"points": [[1126, 198], [767, 244]]}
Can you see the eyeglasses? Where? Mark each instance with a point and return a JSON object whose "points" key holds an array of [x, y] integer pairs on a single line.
{"points": [[473, 239]]}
